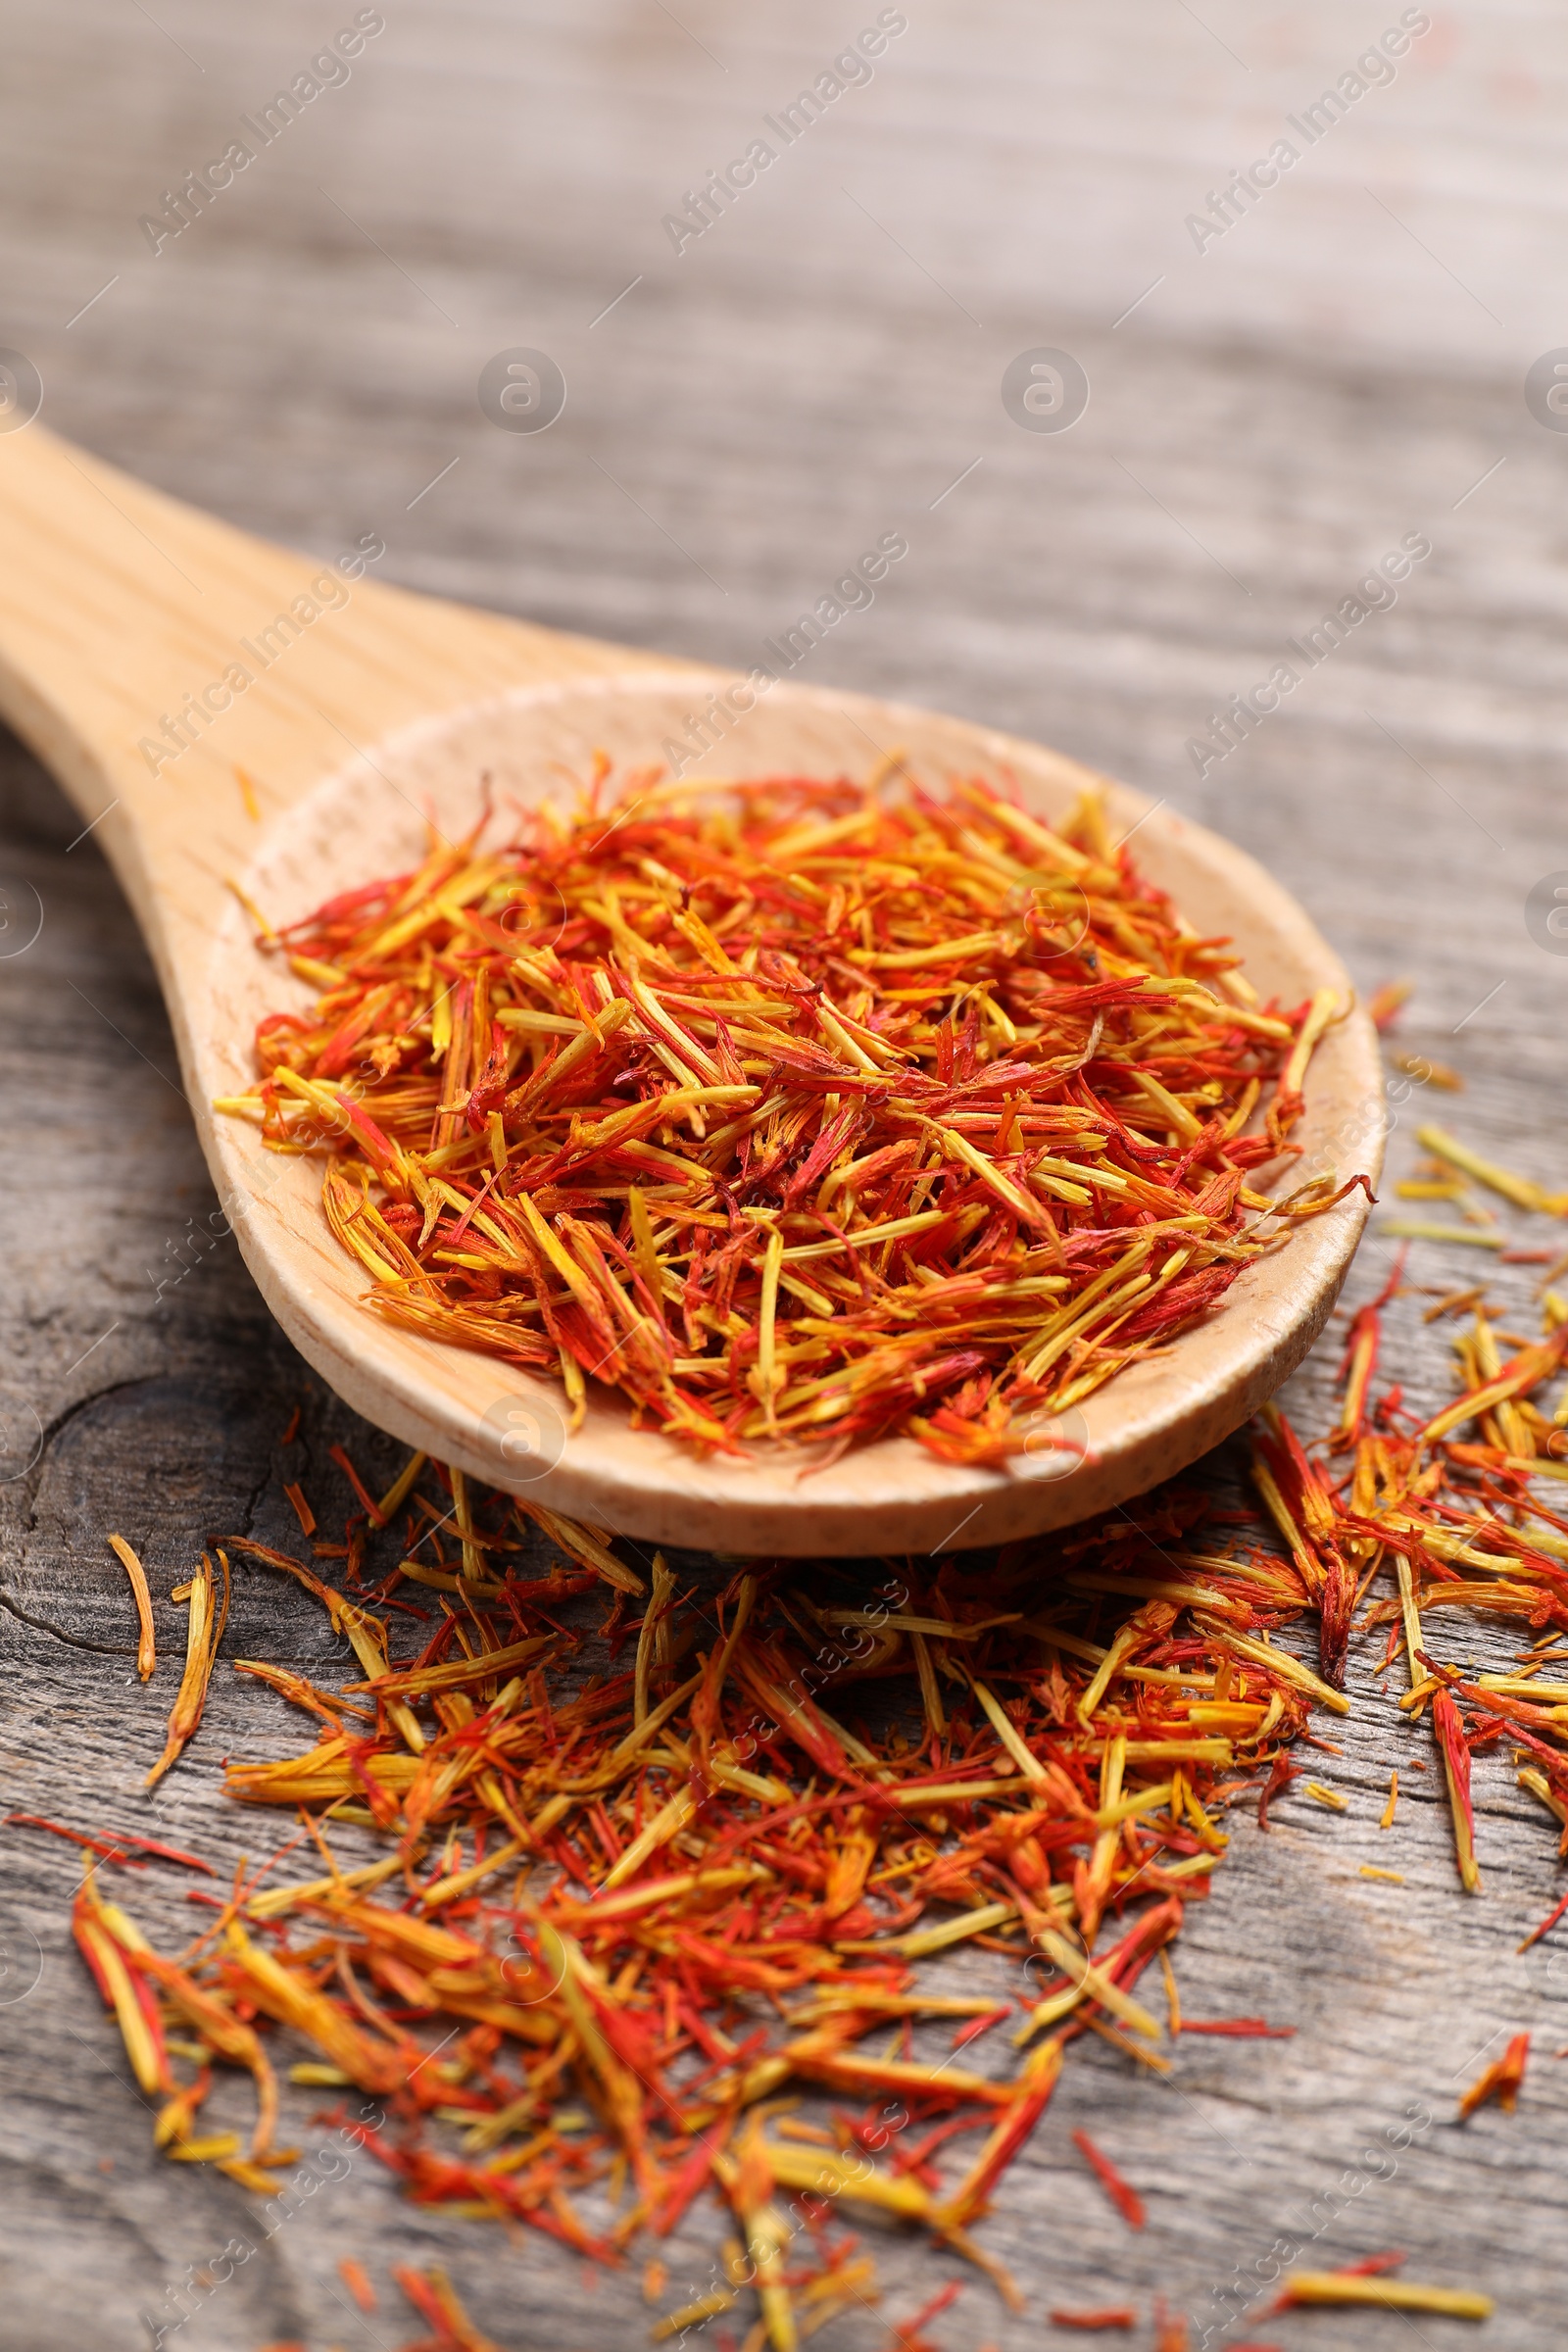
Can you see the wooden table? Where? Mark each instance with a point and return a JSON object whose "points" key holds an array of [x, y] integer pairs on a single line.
{"points": [[1341, 366]]}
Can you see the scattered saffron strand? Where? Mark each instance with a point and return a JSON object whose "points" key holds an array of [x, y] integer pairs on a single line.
{"points": [[1385, 1002], [146, 1646], [907, 2334], [1545, 1926], [1239, 2028], [203, 1632], [302, 1510], [1173, 1998], [1361, 1358], [435, 2298], [373, 1509], [1502, 2081], [112, 1846], [1113, 2315], [1448, 1730], [356, 2280], [1522, 1191], [794, 1110], [1171, 2331], [1121, 2194], [1303, 2287]]}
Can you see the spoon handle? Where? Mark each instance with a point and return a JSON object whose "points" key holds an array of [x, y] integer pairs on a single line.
{"points": [[188, 683]]}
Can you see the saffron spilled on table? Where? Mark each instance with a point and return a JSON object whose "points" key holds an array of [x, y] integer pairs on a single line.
{"points": [[624, 1913]]}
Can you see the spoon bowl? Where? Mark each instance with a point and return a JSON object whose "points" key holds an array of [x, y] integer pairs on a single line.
{"points": [[384, 714]]}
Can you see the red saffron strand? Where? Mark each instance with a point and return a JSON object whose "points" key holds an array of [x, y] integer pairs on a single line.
{"points": [[1121, 2194]]}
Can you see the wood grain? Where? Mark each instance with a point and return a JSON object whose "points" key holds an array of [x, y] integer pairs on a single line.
{"points": [[1281, 411]]}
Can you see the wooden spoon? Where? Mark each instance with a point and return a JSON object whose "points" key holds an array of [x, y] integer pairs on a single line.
{"points": [[223, 710]]}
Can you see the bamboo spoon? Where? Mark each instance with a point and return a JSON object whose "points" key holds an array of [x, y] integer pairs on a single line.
{"points": [[125, 620]]}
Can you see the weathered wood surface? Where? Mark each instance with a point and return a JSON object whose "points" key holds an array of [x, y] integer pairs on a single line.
{"points": [[1339, 370]]}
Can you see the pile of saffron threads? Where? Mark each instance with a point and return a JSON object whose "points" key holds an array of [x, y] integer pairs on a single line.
{"points": [[624, 1920], [798, 1110], [642, 1912]]}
